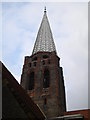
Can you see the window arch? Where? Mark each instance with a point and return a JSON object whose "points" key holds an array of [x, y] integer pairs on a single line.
{"points": [[34, 59], [31, 81], [46, 80], [45, 56]]}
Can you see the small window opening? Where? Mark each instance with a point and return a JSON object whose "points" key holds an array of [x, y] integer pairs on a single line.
{"points": [[31, 81], [34, 59], [45, 56], [43, 62], [34, 63], [30, 64], [46, 80], [45, 101]]}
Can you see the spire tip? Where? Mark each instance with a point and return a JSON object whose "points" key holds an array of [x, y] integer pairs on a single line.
{"points": [[45, 9]]}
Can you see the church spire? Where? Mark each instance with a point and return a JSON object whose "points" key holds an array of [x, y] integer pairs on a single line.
{"points": [[44, 41]]}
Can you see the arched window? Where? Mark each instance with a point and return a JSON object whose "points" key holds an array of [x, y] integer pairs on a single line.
{"points": [[30, 64], [45, 101], [46, 80], [45, 56], [31, 81], [34, 59]]}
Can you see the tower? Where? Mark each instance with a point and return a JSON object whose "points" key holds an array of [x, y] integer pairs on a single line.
{"points": [[42, 76]]}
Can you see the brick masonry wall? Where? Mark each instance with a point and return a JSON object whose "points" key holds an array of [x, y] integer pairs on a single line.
{"points": [[55, 93]]}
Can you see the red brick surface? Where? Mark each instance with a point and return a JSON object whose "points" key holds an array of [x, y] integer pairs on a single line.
{"points": [[55, 93]]}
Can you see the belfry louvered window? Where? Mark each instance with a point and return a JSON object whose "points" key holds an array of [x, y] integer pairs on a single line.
{"points": [[46, 80], [31, 81]]}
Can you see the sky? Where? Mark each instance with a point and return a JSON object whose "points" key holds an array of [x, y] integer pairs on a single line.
{"points": [[69, 25]]}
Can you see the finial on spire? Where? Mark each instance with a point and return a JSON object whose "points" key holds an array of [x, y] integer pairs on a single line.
{"points": [[45, 9]]}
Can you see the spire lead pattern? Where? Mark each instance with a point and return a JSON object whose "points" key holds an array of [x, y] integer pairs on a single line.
{"points": [[44, 41]]}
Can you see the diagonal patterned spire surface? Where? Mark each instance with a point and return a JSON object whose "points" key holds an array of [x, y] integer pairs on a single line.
{"points": [[44, 41]]}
